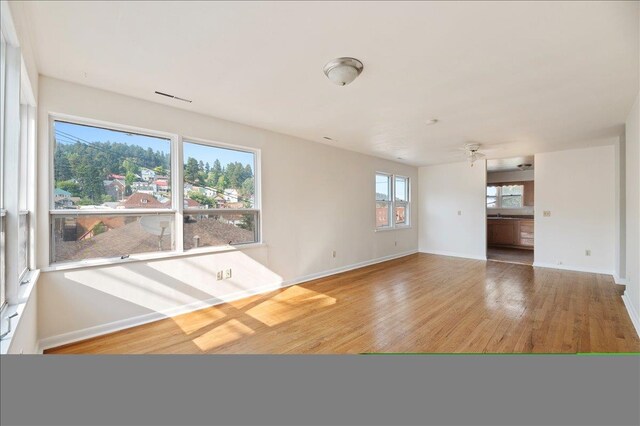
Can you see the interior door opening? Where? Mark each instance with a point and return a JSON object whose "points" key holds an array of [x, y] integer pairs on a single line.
{"points": [[510, 210]]}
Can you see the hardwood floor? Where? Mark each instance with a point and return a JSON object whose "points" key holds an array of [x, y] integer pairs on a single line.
{"points": [[512, 255], [419, 303]]}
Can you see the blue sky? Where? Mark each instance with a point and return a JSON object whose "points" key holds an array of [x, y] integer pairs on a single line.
{"points": [[199, 152]]}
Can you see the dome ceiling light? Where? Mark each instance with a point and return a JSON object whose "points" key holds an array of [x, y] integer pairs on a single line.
{"points": [[342, 71]]}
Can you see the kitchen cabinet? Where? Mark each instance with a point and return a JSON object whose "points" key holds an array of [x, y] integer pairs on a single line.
{"points": [[527, 199], [511, 232]]}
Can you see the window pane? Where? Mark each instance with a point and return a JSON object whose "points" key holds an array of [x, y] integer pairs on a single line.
{"points": [[94, 236], [402, 189], [217, 177], [218, 229], [512, 190], [401, 214], [109, 169], [23, 243], [511, 201], [492, 191], [492, 202], [383, 214], [383, 188]]}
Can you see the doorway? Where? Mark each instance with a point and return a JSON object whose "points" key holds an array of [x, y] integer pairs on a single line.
{"points": [[510, 210]]}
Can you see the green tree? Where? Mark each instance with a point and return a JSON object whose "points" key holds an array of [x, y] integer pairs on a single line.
{"points": [[222, 183], [70, 186], [201, 198], [191, 170]]}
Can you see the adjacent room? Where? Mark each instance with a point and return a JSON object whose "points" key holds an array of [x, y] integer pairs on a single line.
{"points": [[320, 177]]}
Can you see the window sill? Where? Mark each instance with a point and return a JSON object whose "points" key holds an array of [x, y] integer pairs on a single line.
{"points": [[396, 228], [151, 256], [24, 293]]}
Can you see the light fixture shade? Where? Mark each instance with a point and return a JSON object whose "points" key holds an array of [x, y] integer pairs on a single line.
{"points": [[343, 71]]}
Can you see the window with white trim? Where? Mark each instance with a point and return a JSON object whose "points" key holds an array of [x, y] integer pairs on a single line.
{"points": [[3, 213], [393, 203], [219, 196], [17, 144], [505, 196], [116, 193]]}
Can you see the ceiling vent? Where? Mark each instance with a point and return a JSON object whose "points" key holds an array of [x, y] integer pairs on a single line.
{"points": [[173, 97]]}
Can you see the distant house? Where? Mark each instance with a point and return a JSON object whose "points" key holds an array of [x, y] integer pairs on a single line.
{"points": [[113, 176], [162, 185], [114, 188], [147, 174], [144, 187], [62, 198], [231, 195], [140, 200], [192, 204]]}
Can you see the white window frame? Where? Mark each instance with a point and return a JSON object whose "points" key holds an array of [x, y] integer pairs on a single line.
{"points": [[257, 208], [17, 162], [393, 203], [499, 196], [177, 196]]}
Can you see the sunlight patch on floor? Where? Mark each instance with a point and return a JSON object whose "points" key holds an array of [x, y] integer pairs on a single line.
{"points": [[290, 304], [230, 331]]}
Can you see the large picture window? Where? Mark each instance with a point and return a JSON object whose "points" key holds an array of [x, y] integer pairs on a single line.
{"points": [[392, 201], [219, 196], [114, 194]]}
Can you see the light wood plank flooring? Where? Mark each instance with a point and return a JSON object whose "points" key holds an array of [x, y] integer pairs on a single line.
{"points": [[512, 255], [419, 303]]}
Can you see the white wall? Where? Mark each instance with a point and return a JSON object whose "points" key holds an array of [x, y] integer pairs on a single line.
{"points": [[510, 176], [577, 187], [632, 144], [444, 191], [316, 198]]}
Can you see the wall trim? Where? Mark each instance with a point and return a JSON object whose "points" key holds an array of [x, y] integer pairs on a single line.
{"points": [[454, 254], [573, 268], [111, 327], [633, 314], [619, 280]]}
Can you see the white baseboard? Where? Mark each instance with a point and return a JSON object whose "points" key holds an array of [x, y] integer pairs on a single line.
{"points": [[87, 333], [633, 314], [454, 254], [618, 280], [572, 268]]}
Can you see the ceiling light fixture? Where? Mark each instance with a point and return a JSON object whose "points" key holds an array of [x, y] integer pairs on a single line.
{"points": [[524, 166], [432, 122], [342, 71], [327, 138]]}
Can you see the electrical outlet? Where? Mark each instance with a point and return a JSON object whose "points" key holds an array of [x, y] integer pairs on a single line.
{"points": [[587, 252], [395, 243], [219, 275], [333, 254], [546, 213], [459, 212], [227, 273]]}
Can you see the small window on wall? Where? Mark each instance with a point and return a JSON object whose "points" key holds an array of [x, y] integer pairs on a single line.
{"points": [[392, 201], [505, 196]]}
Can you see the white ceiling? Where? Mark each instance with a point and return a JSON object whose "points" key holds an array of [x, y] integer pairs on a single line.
{"points": [[509, 164], [526, 77]]}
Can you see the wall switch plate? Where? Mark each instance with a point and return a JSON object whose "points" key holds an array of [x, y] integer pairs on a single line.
{"points": [[219, 275], [459, 212], [587, 252], [333, 253], [546, 213], [227, 273], [395, 243]]}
